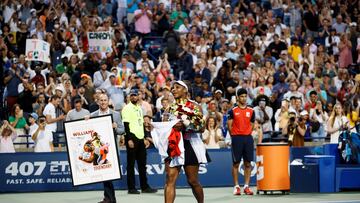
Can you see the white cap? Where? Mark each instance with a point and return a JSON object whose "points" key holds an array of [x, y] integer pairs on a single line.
{"points": [[252, 64], [59, 87], [353, 24], [32, 10], [304, 113], [179, 82]]}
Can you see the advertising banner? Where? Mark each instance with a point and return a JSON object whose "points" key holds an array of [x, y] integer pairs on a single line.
{"points": [[37, 50], [99, 41], [92, 150], [37, 172]]}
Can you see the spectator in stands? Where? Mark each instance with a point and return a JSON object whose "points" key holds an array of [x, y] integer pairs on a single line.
{"points": [[165, 94], [317, 114], [276, 46], [144, 58], [184, 65], [33, 118], [339, 26], [263, 115], [18, 122], [162, 19], [78, 112], [212, 136], [43, 137], [116, 94], [351, 114], [101, 75], [12, 79], [7, 136], [143, 17], [293, 92], [345, 56], [50, 114], [337, 122], [104, 9], [311, 20]]}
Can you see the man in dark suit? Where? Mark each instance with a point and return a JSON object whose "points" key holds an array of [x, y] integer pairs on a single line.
{"points": [[109, 192], [203, 70]]}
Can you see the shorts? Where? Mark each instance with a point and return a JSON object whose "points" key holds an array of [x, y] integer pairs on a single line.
{"points": [[190, 156], [242, 147]]}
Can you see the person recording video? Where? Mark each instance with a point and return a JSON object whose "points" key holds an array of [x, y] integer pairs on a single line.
{"points": [[43, 137]]}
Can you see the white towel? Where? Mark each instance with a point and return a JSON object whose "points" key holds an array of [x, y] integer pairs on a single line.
{"points": [[198, 147], [160, 135]]}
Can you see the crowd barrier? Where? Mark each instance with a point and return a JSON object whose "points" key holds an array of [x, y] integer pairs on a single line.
{"points": [[35, 172]]}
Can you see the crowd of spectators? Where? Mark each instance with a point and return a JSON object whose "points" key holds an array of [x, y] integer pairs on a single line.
{"points": [[298, 60]]}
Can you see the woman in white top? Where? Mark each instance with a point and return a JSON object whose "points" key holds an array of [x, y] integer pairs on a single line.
{"points": [[317, 114], [336, 121], [212, 134], [7, 136]]}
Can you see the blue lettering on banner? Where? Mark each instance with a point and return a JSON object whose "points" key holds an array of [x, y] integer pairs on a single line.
{"points": [[30, 172]]}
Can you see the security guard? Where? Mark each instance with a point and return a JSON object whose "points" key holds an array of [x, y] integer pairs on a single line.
{"points": [[136, 144]]}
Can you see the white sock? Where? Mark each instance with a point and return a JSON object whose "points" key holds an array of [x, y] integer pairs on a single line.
{"points": [[237, 186], [245, 186]]}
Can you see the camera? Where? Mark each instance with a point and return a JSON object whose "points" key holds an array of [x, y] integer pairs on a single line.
{"points": [[42, 120], [292, 119]]}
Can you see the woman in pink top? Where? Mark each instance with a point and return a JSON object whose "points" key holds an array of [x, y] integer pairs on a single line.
{"points": [[345, 57], [7, 136]]}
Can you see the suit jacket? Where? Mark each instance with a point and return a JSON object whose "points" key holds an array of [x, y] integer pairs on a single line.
{"points": [[116, 118]]}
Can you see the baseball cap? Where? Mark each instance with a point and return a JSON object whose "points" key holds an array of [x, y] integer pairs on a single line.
{"points": [[218, 91], [59, 88], [34, 116], [112, 75], [304, 113], [85, 76], [166, 88], [134, 92], [353, 24]]}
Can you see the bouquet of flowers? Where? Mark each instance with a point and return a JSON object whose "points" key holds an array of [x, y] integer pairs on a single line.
{"points": [[190, 114]]}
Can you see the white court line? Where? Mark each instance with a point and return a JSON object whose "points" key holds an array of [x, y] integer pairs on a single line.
{"points": [[337, 201]]}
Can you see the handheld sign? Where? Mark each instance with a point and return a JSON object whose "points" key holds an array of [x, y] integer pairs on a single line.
{"points": [[99, 41], [37, 50]]}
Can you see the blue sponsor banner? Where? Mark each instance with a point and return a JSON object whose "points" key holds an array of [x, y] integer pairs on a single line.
{"points": [[35, 172]]}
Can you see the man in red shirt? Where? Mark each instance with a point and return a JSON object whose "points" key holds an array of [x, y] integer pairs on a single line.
{"points": [[312, 103], [240, 123]]}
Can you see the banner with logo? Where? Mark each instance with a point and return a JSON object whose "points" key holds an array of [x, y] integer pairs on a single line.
{"points": [[37, 50], [38, 172], [99, 41], [92, 150]]}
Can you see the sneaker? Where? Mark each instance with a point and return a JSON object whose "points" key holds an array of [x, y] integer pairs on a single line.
{"points": [[237, 190], [247, 191]]}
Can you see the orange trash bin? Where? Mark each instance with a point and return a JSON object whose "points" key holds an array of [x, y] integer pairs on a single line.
{"points": [[272, 160]]}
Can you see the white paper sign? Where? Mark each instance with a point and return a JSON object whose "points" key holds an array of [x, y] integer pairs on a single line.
{"points": [[99, 41], [37, 50]]}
